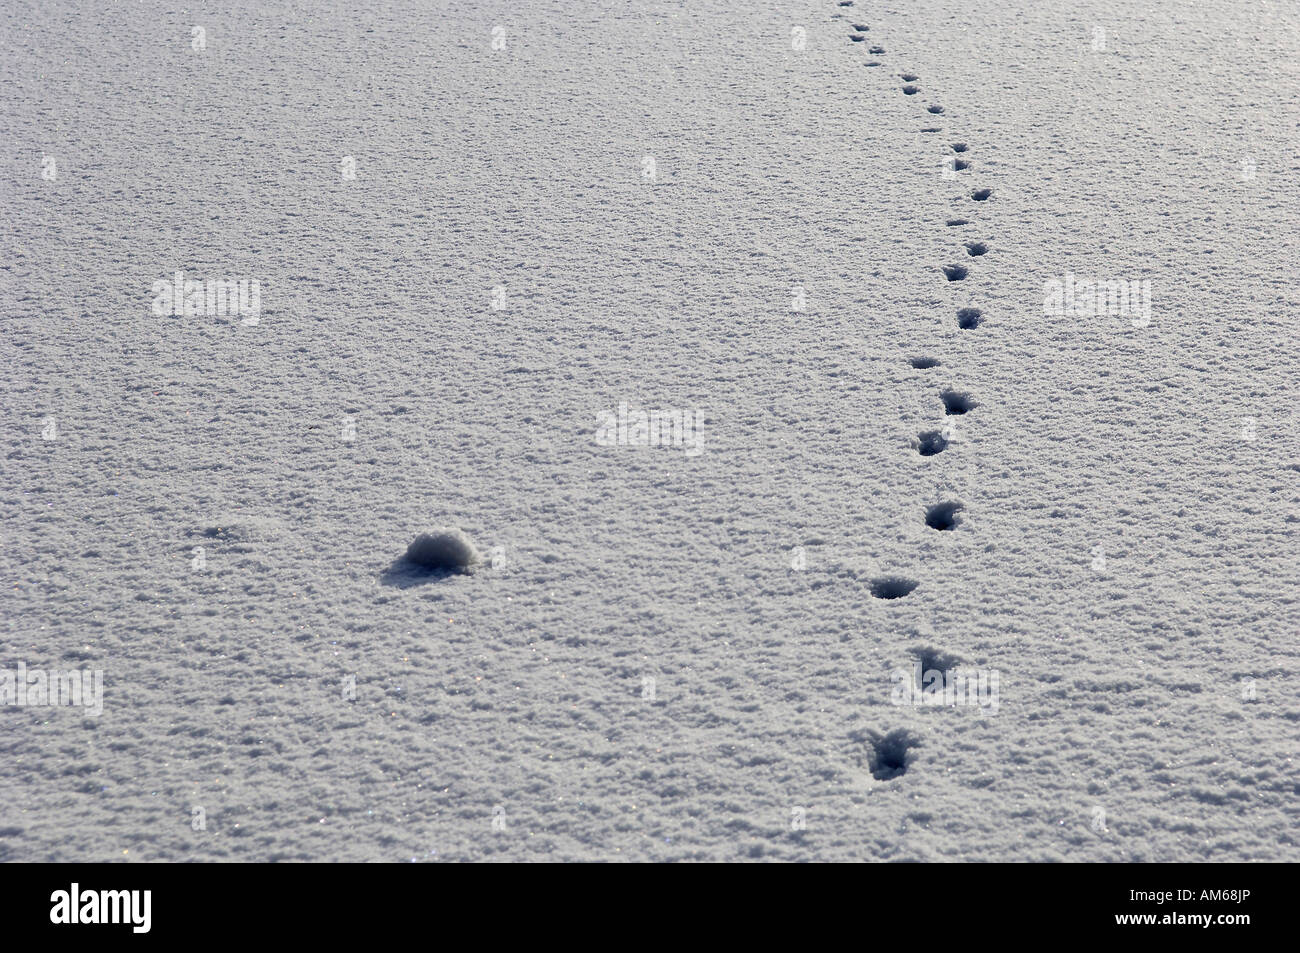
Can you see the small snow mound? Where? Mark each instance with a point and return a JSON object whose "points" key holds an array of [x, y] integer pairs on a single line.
{"points": [[449, 550]]}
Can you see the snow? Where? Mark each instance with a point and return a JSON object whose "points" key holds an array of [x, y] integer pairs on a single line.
{"points": [[667, 654]]}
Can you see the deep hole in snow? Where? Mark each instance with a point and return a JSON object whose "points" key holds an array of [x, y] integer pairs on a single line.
{"points": [[892, 587], [931, 442], [955, 402], [943, 516], [892, 753]]}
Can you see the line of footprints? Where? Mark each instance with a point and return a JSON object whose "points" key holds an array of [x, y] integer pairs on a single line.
{"points": [[944, 515]]}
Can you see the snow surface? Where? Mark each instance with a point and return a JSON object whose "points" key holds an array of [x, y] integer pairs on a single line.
{"points": [[640, 673]]}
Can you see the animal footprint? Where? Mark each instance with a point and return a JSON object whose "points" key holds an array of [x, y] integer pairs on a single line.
{"points": [[981, 195], [910, 90], [937, 110], [958, 221], [860, 27], [955, 272], [943, 516], [908, 77], [959, 147], [930, 442], [892, 587], [968, 319], [955, 402], [891, 754], [855, 38], [923, 363], [878, 50], [975, 249], [960, 164]]}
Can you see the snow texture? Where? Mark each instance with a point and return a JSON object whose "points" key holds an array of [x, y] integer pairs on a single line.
{"points": [[658, 302]]}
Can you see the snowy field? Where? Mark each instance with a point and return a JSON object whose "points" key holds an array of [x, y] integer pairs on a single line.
{"points": [[1049, 455]]}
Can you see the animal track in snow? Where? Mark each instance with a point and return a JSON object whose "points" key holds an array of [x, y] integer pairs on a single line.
{"points": [[930, 442], [943, 516], [956, 402], [936, 660], [891, 755], [856, 38], [892, 587], [860, 27]]}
